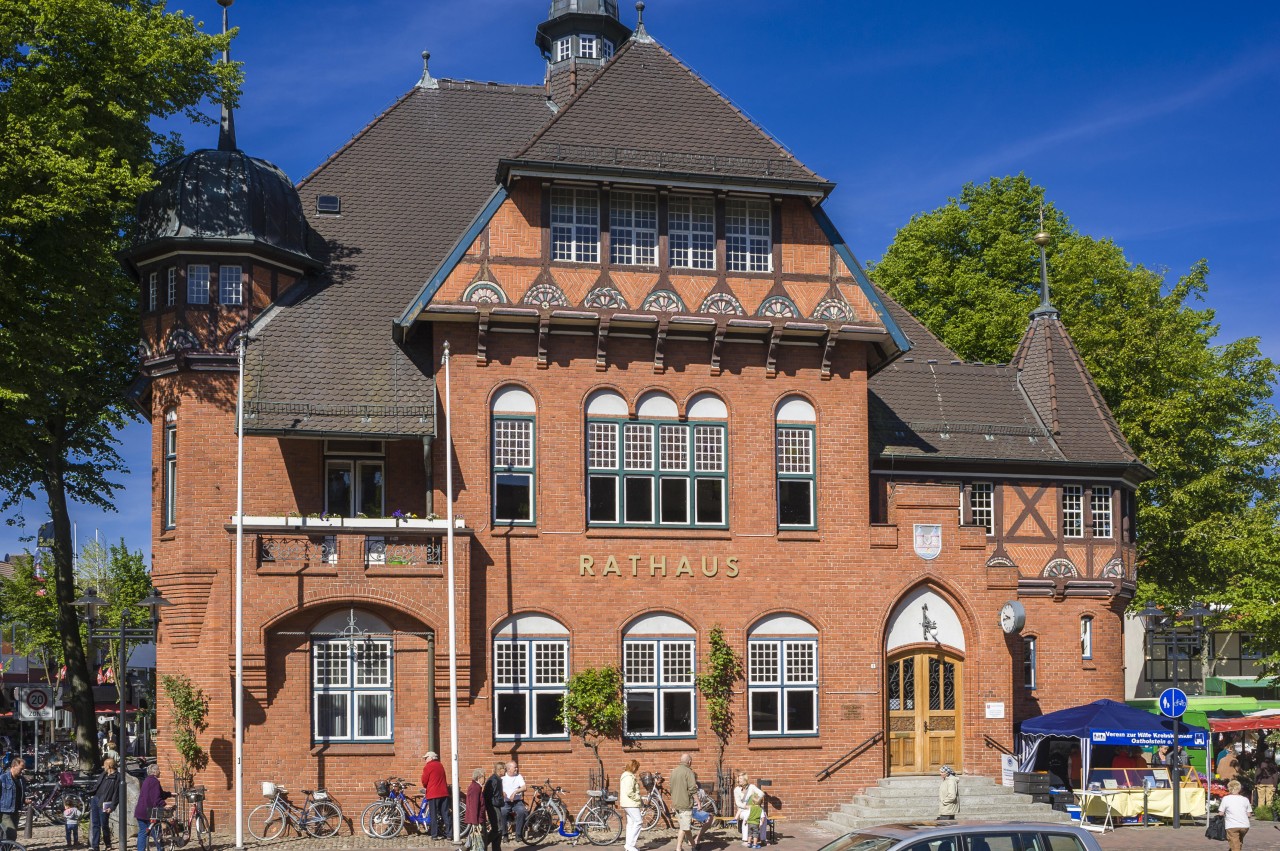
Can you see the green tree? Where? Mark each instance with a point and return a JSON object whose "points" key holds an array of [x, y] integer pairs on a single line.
{"points": [[715, 684], [593, 708], [190, 711], [29, 614], [1195, 408], [80, 84]]}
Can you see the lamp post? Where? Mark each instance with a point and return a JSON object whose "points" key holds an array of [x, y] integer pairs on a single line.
{"points": [[1158, 622], [122, 634]]}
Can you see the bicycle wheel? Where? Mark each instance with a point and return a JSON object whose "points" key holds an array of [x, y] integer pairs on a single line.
{"points": [[602, 826], [385, 819], [322, 819], [200, 830], [536, 827], [265, 822], [176, 834], [648, 815]]}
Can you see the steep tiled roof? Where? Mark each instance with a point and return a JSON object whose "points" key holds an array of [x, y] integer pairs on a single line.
{"points": [[1060, 388], [924, 346], [649, 111], [325, 361]]}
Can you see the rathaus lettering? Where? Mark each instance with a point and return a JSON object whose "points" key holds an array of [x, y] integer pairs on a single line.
{"points": [[638, 565]]}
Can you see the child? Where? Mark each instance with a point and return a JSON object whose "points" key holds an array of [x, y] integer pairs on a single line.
{"points": [[757, 825], [71, 814]]}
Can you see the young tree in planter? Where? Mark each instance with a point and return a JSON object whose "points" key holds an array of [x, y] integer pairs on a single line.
{"points": [[715, 684], [190, 709], [593, 708]]}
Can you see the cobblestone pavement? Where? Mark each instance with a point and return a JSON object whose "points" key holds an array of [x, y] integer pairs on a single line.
{"points": [[1264, 836]]}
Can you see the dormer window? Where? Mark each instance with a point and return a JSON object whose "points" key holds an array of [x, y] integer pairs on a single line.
{"points": [[575, 225], [588, 47], [606, 51], [564, 48]]}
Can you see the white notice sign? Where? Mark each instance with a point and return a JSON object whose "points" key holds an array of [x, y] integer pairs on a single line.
{"points": [[995, 709], [1008, 765]]}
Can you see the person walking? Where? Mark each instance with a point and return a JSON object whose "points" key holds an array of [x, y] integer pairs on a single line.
{"points": [[150, 796], [436, 790], [102, 802], [684, 792], [1264, 781], [13, 793], [493, 802], [629, 800], [513, 798], [71, 818], [745, 793], [474, 813], [1235, 810], [948, 794]]}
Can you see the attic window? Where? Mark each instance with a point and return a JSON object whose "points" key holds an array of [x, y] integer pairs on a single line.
{"points": [[328, 204], [588, 47], [564, 48], [606, 49]]}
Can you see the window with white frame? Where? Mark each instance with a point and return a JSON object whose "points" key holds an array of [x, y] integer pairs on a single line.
{"points": [[691, 231], [982, 506], [655, 470], [197, 284], [658, 669], [782, 677], [1086, 637], [748, 235], [575, 224], [1100, 509], [564, 48], [1072, 511], [530, 669], [794, 438], [171, 291], [354, 472], [153, 290], [633, 228], [170, 507], [588, 46], [229, 285], [606, 48], [1029, 662], [513, 456], [352, 679]]}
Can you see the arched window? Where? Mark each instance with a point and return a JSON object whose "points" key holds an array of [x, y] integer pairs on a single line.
{"points": [[658, 667], [782, 677], [352, 667], [794, 441], [1029, 662], [1086, 637], [655, 470], [170, 508], [530, 668], [513, 457]]}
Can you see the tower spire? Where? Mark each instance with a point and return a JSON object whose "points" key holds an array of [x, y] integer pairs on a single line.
{"points": [[227, 127], [1042, 239], [641, 34]]}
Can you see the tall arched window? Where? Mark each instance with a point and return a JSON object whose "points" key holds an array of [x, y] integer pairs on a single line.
{"points": [[782, 677], [170, 505], [513, 457], [352, 667], [659, 658], [530, 669], [1086, 637], [794, 440]]}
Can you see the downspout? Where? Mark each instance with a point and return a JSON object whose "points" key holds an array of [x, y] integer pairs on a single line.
{"points": [[429, 469], [433, 735]]}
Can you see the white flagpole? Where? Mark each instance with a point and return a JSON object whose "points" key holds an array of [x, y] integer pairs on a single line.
{"points": [[453, 621], [239, 738]]}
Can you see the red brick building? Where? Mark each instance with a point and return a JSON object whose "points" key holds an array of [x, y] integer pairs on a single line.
{"points": [[677, 403]]}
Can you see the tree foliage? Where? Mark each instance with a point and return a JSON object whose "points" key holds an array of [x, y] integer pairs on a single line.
{"points": [[721, 673], [29, 613], [190, 713], [593, 708], [1196, 409], [81, 82]]}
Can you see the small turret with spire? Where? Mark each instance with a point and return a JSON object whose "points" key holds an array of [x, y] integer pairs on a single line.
{"points": [[227, 127], [578, 38], [1046, 309]]}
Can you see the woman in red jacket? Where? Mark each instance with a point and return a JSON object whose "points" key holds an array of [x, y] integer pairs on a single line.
{"points": [[436, 790], [475, 802]]}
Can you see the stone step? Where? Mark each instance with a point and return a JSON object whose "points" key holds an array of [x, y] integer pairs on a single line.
{"points": [[883, 792], [972, 804], [846, 824]]}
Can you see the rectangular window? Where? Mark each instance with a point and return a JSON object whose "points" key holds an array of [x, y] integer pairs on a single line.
{"points": [[1072, 511], [660, 473], [1086, 637], [1100, 507], [513, 470], [1029, 662], [691, 232], [748, 235], [658, 681], [633, 228], [170, 476], [564, 48], [354, 488], [588, 47], [229, 285], [782, 687], [575, 225], [528, 684], [197, 284], [153, 290], [982, 506], [796, 482], [351, 690], [171, 292], [606, 49]]}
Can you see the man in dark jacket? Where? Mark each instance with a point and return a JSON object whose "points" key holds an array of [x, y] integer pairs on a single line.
{"points": [[13, 794], [493, 801], [106, 797]]}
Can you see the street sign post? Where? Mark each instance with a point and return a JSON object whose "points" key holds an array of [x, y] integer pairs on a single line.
{"points": [[34, 703], [1173, 702]]}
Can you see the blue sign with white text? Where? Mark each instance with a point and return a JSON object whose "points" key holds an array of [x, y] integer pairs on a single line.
{"points": [[1173, 702], [1194, 738]]}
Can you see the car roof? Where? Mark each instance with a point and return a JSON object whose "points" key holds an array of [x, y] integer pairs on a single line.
{"points": [[926, 829]]}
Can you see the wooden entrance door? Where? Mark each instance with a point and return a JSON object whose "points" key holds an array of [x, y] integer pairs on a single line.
{"points": [[924, 709]]}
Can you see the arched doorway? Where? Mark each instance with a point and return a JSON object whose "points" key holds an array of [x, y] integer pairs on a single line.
{"points": [[924, 684]]}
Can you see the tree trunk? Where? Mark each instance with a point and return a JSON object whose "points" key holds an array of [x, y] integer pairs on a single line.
{"points": [[79, 687]]}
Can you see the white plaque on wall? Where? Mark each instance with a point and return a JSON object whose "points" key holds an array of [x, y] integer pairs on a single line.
{"points": [[995, 709]]}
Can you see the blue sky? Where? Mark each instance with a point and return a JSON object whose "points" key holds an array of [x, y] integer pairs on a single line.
{"points": [[1156, 125]]}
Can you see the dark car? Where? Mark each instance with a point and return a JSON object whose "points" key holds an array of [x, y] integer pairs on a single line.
{"points": [[966, 836]]}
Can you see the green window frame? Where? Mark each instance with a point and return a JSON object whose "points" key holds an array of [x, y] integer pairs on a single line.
{"points": [[514, 461], [170, 473], [796, 458], [782, 687]]}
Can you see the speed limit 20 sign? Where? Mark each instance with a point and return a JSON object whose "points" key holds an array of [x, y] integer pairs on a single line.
{"points": [[35, 703]]}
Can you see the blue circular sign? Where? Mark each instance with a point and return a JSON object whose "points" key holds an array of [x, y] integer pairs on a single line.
{"points": [[1173, 702]]}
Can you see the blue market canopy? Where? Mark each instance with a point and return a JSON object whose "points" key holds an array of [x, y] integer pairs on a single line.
{"points": [[1104, 722]]}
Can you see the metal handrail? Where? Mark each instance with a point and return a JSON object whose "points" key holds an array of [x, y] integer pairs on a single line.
{"points": [[850, 756], [994, 745]]}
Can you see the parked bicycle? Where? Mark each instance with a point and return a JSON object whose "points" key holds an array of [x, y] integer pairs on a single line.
{"points": [[597, 822], [388, 815], [654, 806], [51, 798], [164, 831], [548, 811], [319, 816], [6, 845], [197, 826]]}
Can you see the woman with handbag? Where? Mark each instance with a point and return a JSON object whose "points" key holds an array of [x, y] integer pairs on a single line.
{"points": [[1235, 810], [105, 795]]}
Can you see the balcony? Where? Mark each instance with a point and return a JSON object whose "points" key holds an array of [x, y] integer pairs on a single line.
{"points": [[350, 546]]}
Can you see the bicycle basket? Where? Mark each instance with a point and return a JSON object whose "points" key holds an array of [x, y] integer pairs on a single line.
{"points": [[646, 780], [195, 795], [320, 795], [268, 789], [383, 788], [67, 778], [160, 813]]}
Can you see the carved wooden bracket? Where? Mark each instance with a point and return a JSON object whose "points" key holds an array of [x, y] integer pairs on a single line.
{"points": [[602, 344], [482, 339], [771, 359], [717, 343], [544, 337], [659, 345], [828, 349]]}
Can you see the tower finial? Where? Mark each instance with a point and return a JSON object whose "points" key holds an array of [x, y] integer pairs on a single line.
{"points": [[1042, 239], [427, 81], [227, 127], [641, 34]]}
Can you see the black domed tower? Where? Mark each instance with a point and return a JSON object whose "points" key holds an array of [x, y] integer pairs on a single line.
{"points": [[577, 39]]}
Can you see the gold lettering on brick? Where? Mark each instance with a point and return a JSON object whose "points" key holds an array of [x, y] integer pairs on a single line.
{"points": [[710, 566], [611, 566], [683, 569], [635, 564], [584, 566], [731, 566], [657, 563]]}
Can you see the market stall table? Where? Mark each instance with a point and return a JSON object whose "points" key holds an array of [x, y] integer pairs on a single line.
{"points": [[1109, 804]]}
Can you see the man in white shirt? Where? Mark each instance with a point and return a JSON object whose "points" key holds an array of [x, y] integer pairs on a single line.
{"points": [[513, 798]]}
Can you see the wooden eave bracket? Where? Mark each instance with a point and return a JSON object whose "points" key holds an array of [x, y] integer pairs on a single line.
{"points": [[717, 344], [482, 339], [828, 350], [544, 337], [771, 359], [602, 344], [659, 346]]}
